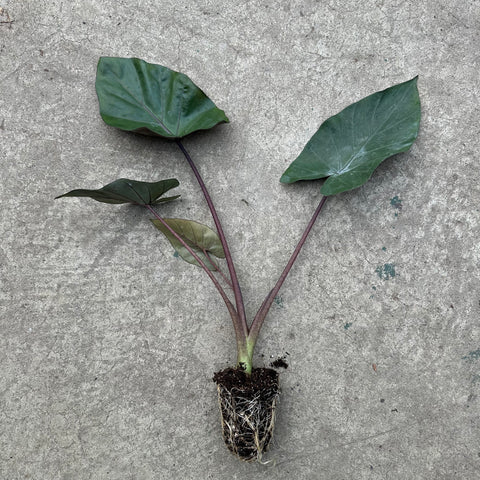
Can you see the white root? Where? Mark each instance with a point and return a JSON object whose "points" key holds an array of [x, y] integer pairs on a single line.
{"points": [[248, 419]]}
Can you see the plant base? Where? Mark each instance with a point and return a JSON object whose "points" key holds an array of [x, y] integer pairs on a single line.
{"points": [[247, 408]]}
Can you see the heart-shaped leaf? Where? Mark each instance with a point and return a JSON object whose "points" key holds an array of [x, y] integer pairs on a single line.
{"points": [[151, 99], [200, 238], [124, 190], [349, 146]]}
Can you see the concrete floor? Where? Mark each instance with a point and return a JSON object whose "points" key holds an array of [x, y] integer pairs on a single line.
{"points": [[108, 342]]}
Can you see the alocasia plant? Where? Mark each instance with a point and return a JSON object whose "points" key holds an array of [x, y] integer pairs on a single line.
{"points": [[150, 99]]}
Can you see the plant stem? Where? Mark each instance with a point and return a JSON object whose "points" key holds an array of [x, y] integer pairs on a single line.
{"points": [[267, 303], [231, 268], [241, 341], [217, 268]]}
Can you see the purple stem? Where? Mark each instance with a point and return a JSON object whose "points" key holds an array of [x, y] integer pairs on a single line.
{"points": [[231, 268], [267, 303], [217, 268], [228, 303]]}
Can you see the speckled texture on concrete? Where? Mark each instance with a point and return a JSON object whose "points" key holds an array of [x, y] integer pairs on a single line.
{"points": [[108, 342]]}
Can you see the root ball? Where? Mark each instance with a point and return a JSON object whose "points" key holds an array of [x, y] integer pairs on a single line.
{"points": [[247, 409]]}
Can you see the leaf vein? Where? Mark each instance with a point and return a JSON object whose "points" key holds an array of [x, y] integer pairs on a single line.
{"points": [[155, 117], [394, 108]]}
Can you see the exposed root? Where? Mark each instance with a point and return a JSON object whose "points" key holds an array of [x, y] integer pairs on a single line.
{"points": [[247, 407]]}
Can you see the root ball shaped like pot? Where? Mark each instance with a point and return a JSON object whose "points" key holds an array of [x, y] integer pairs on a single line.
{"points": [[247, 409]]}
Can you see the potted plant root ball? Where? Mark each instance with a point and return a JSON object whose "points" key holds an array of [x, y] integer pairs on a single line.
{"points": [[150, 99], [247, 409]]}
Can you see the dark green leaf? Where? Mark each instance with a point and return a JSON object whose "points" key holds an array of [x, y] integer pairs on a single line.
{"points": [[349, 146], [143, 97], [124, 190], [198, 237]]}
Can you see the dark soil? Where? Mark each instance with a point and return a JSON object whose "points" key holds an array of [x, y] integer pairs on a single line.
{"points": [[247, 407], [260, 379], [279, 363]]}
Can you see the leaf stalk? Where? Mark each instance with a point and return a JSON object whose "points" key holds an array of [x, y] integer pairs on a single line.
{"points": [[267, 303], [228, 256], [241, 340]]}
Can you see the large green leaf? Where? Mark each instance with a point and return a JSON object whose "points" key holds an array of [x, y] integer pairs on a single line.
{"points": [[151, 99], [124, 190], [349, 146], [201, 239]]}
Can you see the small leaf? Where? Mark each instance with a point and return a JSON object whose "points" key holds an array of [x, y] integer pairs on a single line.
{"points": [[197, 236], [124, 190], [349, 146], [151, 99]]}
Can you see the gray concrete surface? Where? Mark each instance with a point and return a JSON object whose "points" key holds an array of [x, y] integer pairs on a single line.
{"points": [[108, 342]]}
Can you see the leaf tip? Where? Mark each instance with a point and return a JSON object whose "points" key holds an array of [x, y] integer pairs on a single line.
{"points": [[285, 178], [62, 195], [413, 81]]}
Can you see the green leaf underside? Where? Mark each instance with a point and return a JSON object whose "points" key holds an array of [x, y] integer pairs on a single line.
{"points": [[151, 99], [197, 236], [124, 190], [349, 146]]}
